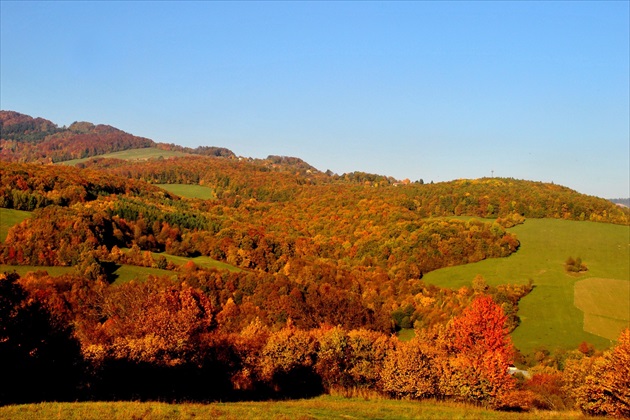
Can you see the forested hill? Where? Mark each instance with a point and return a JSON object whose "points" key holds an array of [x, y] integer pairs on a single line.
{"points": [[27, 139]]}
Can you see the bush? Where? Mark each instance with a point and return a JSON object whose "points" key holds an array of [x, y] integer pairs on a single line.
{"points": [[410, 371], [575, 265], [517, 400]]}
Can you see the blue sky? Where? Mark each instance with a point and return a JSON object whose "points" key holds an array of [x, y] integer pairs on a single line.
{"points": [[419, 90]]}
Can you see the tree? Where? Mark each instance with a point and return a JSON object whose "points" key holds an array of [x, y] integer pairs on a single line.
{"points": [[39, 359], [480, 353], [288, 360], [600, 385], [410, 371]]}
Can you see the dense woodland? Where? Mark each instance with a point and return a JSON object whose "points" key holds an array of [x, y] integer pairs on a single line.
{"points": [[331, 266]]}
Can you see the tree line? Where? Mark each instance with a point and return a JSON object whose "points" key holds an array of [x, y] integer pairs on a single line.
{"points": [[161, 339]]}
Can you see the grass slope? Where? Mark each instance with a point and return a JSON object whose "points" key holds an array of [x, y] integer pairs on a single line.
{"points": [[549, 315], [324, 407], [189, 191], [122, 274], [202, 261], [126, 273], [606, 305], [131, 154], [10, 218], [22, 270]]}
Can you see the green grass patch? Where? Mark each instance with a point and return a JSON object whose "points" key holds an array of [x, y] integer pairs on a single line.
{"points": [[189, 191], [606, 305], [202, 261], [406, 334], [121, 274], [10, 218], [548, 314], [126, 273], [323, 407], [132, 154], [23, 270]]}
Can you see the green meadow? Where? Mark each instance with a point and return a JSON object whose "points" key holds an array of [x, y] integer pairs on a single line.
{"points": [[131, 154], [606, 305], [201, 261], [10, 218], [121, 274], [23, 270], [323, 407], [554, 314], [189, 191], [125, 273]]}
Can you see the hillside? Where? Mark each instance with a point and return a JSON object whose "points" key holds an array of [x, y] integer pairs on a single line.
{"points": [[551, 315], [247, 270], [27, 139]]}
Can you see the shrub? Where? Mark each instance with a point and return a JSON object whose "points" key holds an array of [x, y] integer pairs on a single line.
{"points": [[517, 400], [409, 371], [546, 385], [575, 265]]}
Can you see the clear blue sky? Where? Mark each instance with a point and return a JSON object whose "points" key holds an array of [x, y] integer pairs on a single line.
{"points": [[418, 90]]}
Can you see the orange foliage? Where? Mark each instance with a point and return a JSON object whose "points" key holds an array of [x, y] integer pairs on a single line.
{"points": [[600, 385]]}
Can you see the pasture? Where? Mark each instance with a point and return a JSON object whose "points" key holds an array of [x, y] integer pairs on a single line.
{"points": [[125, 273], [189, 191], [10, 218], [23, 270], [201, 261], [549, 315], [131, 154], [606, 305], [323, 407], [121, 274]]}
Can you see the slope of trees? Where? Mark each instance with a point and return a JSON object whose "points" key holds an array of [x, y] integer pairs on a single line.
{"points": [[26, 139]]}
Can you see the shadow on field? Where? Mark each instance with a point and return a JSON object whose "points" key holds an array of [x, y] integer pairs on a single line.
{"points": [[110, 270]]}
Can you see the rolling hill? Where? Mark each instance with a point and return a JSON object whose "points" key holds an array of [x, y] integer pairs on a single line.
{"points": [[172, 261]]}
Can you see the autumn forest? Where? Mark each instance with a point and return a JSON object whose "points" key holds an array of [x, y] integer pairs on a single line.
{"points": [[317, 283]]}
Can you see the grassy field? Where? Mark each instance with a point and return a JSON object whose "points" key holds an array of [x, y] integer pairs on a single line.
{"points": [[549, 315], [22, 270], [324, 407], [606, 305], [189, 191], [126, 273], [132, 154], [202, 261], [122, 274], [10, 218]]}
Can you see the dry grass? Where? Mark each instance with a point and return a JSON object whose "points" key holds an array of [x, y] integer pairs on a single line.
{"points": [[324, 407], [606, 305]]}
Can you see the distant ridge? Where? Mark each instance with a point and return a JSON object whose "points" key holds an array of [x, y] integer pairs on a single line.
{"points": [[27, 139], [625, 202]]}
